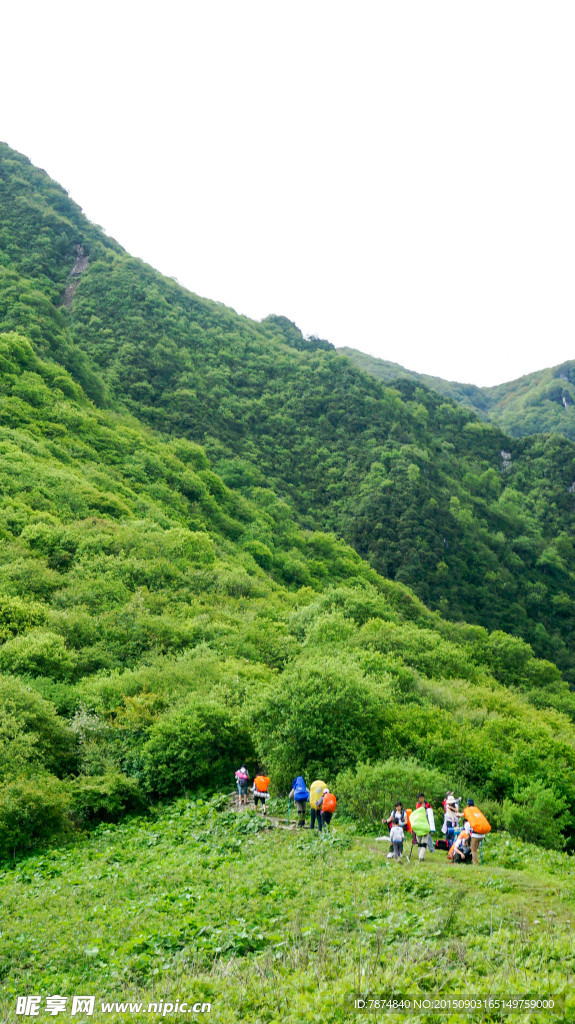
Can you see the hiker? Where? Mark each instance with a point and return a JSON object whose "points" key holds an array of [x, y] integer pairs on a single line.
{"points": [[242, 779], [396, 835], [260, 790], [460, 852], [451, 816], [300, 796], [397, 824], [474, 819], [398, 816], [421, 825], [325, 807], [315, 793]]}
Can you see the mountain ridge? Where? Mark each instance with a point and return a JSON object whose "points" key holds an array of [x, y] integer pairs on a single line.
{"points": [[534, 403]]}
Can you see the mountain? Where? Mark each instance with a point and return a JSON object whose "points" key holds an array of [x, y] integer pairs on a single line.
{"points": [[157, 627], [538, 403], [479, 524], [167, 612]]}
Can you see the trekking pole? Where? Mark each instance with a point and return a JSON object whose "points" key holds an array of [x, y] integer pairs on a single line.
{"points": [[289, 802]]}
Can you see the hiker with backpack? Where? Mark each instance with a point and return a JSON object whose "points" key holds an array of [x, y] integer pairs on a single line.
{"points": [[325, 807], [422, 824], [300, 796], [315, 793], [242, 780], [476, 826], [398, 816], [397, 823], [260, 790], [460, 851]]}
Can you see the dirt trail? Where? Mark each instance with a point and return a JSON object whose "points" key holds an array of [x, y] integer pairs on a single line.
{"points": [[277, 821]]}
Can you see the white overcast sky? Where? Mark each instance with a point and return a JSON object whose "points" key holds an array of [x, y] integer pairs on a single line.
{"points": [[397, 177]]}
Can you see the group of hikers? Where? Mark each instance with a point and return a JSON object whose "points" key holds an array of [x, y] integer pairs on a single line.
{"points": [[322, 803], [462, 830]]}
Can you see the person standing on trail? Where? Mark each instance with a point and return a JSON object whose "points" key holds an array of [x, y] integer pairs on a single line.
{"points": [[242, 780], [474, 837], [396, 835], [421, 825], [324, 808], [300, 796], [397, 824], [260, 791], [315, 792], [398, 816], [451, 812]]}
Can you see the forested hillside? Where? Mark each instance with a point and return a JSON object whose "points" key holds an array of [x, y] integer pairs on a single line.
{"points": [[157, 627], [538, 403], [478, 524], [162, 616]]}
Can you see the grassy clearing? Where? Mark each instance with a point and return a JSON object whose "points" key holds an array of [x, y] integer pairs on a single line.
{"points": [[202, 904]]}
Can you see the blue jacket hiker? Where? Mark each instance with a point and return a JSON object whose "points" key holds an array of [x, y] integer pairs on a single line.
{"points": [[300, 796]]}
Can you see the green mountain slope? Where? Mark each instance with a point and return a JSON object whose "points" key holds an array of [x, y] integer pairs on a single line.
{"points": [[157, 625], [538, 403], [542, 402], [478, 524], [177, 625]]}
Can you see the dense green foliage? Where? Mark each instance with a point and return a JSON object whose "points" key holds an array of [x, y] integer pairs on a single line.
{"points": [[276, 927], [180, 627], [168, 610], [174, 654], [164, 616], [478, 524]]}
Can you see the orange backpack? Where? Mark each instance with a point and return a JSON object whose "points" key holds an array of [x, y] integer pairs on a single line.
{"points": [[477, 820], [329, 803], [261, 782]]}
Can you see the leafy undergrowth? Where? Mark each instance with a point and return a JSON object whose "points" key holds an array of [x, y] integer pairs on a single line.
{"points": [[201, 904]]}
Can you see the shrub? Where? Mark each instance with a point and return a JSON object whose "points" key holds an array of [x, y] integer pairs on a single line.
{"points": [[32, 733], [105, 797], [261, 553], [33, 812], [321, 718], [370, 791], [196, 744], [536, 815], [37, 653]]}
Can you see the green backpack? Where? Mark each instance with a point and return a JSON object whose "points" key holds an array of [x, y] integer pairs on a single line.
{"points": [[419, 821]]}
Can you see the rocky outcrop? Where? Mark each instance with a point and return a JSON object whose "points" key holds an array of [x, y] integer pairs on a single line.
{"points": [[81, 261]]}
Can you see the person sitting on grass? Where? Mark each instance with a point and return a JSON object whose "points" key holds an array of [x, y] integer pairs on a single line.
{"points": [[460, 852]]}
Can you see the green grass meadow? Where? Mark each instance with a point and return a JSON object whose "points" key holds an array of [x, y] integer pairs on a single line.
{"points": [[198, 903]]}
